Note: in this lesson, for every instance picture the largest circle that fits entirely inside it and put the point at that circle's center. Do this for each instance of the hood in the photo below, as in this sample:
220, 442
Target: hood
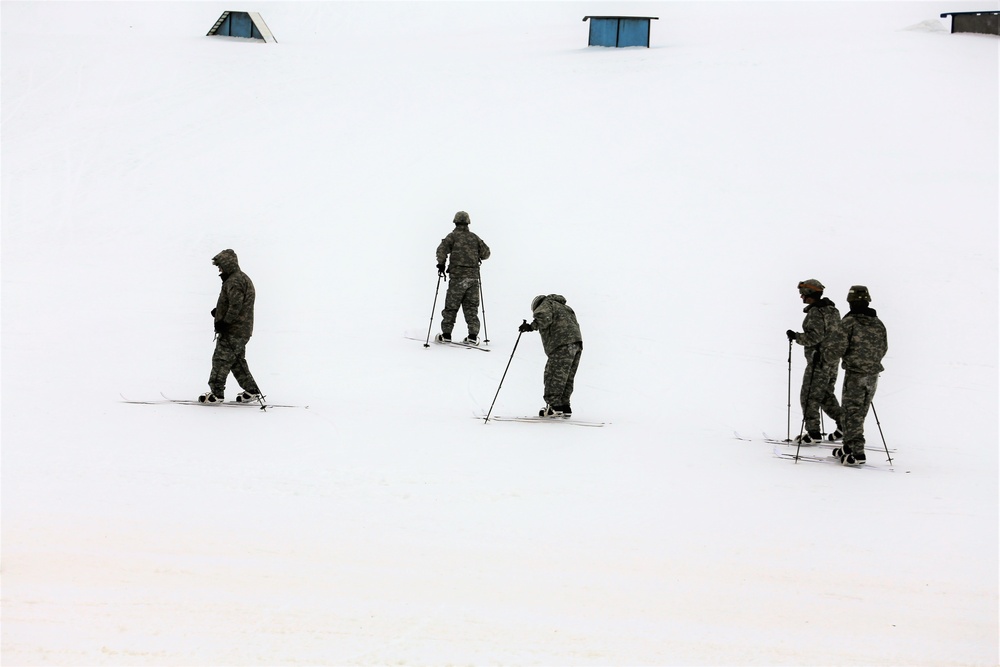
559, 298
227, 261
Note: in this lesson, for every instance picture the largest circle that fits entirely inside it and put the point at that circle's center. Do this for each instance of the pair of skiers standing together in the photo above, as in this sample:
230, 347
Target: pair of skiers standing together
551, 317
858, 342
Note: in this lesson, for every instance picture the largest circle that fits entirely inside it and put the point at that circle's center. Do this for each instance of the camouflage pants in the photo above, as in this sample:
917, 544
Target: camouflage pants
462, 293
859, 390
818, 393
230, 355
560, 372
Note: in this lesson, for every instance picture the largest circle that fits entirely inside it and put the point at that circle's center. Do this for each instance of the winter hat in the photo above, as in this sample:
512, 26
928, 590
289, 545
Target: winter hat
858, 293
810, 287
537, 301
462, 218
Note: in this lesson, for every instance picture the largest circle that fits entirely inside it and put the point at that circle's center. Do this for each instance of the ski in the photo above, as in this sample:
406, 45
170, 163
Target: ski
775, 441
544, 420
451, 343
828, 444
784, 454
230, 404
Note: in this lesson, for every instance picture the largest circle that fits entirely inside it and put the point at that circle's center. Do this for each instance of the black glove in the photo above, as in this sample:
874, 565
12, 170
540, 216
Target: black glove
221, 327
213, 312
440, 268
525, 327
791, 334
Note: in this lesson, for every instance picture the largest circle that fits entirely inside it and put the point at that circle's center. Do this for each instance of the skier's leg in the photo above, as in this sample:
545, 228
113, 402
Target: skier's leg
470, 305
828, 400
577, 350
859, 391
452, 302
557, 371
808, 399
241, 370
222, 362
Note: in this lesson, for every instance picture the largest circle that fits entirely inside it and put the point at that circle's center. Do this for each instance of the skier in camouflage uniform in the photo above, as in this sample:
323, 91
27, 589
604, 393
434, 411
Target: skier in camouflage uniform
862, 341
563, 345
233, 314
819, 328
467, 252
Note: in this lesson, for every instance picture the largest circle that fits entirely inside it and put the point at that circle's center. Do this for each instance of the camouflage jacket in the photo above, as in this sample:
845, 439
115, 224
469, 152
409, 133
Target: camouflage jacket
819, 328
862, 342
236, 299
556, 323
467, 252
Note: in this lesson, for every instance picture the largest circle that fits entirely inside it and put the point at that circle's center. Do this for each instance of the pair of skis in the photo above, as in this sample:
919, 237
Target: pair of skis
451, 343
260, 405
543, 420
525, 418
783, 449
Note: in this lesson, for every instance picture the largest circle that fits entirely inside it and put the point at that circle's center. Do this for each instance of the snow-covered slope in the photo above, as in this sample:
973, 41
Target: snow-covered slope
675, 195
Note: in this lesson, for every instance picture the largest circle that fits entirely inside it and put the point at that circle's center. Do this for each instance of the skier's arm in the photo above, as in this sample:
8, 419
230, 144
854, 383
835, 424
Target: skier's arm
444, 249
813, 332
235, 295
542, 318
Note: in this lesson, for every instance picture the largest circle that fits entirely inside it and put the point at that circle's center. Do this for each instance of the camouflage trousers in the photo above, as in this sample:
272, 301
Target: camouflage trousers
230, 355
462, 293
859, 390
560, 372
818, 393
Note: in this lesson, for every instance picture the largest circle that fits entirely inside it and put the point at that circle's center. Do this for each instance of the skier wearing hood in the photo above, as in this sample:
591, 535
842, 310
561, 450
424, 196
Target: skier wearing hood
563, 345
233, 315
819, 328
467, 251
862, 341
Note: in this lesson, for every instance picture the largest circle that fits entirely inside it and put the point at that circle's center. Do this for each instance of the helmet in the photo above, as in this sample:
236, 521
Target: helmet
537, 301
462, 218
858, 293
810, 287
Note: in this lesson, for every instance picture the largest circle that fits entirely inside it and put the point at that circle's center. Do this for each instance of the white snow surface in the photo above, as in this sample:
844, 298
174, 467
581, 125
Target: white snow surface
675, 195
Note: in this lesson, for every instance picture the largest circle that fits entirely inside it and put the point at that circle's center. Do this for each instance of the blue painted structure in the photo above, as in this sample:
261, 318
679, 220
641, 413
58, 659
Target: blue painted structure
619, 31
242, 24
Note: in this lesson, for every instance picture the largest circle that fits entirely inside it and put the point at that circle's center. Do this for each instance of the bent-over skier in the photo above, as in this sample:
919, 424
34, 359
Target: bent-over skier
563, 344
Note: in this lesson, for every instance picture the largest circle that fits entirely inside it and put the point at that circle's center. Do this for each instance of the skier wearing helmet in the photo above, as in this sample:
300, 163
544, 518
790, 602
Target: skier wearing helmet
862, 342
819, 328
466, 251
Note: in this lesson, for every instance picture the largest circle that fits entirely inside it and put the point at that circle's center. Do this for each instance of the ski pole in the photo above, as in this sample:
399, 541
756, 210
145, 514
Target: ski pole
504, 374
802, 428
427, 343
486, 334
881, 434
788, 425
